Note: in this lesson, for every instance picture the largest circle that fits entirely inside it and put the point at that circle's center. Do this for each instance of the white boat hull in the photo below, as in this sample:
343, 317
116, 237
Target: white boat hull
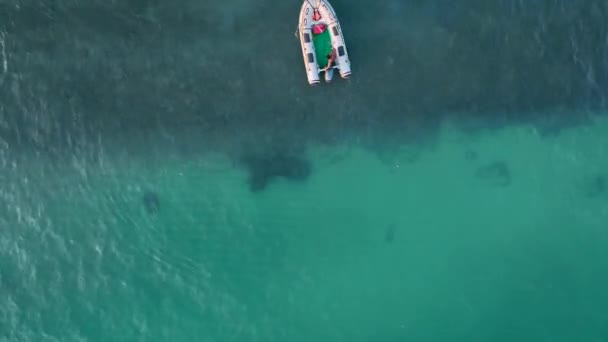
329, 18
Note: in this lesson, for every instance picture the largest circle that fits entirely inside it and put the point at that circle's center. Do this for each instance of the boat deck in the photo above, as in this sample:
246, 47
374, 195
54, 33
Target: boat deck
322, 44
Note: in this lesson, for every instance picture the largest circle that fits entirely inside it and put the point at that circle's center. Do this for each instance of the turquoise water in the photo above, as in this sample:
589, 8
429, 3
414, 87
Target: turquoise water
410, 246
454, 189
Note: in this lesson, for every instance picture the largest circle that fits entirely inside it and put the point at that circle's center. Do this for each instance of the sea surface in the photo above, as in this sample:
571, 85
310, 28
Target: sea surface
167, 173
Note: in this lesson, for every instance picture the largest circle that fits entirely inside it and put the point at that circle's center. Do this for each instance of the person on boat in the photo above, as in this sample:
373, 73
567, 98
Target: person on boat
331, 58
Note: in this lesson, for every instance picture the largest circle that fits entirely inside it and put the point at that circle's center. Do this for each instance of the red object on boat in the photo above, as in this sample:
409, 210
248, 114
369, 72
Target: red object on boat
316, 15
318, 28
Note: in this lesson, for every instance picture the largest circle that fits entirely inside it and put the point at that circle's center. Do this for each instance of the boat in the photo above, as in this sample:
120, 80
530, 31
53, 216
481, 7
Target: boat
322, 40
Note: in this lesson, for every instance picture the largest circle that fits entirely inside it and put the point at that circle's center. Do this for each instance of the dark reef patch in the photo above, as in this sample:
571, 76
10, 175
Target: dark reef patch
496, 174
389, 234
595, 186
470, 155
151, 202
264, 168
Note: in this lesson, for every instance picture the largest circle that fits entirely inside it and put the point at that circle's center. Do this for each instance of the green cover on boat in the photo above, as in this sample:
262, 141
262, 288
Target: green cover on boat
322, 44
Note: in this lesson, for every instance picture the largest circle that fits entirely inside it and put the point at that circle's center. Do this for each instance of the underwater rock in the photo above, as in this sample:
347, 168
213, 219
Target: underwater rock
264, 168
496, 173
470, 155
389, 234
595, 186
151, 202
